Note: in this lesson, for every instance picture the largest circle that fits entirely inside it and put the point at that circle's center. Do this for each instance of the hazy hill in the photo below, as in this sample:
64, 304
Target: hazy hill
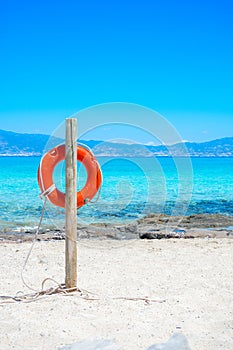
216, 148
12, 143
18, 144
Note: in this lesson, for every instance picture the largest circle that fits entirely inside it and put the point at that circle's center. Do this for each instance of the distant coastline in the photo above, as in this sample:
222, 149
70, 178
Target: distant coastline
120, 156
32, 145
20, 155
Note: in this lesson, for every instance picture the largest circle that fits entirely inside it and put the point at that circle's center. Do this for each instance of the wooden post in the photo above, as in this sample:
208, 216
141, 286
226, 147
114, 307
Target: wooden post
71, 203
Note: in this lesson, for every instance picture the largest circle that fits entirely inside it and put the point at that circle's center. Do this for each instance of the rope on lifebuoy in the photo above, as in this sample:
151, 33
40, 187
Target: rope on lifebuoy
47, 192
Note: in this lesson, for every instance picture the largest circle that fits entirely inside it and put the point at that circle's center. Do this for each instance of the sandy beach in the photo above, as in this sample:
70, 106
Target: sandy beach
190, 282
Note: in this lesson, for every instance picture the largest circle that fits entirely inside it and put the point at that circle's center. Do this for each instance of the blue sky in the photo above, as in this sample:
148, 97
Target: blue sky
58, 57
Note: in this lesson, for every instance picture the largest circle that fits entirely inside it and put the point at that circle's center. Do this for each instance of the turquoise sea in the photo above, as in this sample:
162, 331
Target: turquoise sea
131, 188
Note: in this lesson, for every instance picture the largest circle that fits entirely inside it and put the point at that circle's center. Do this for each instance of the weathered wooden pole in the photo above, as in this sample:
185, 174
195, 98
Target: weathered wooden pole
71, 203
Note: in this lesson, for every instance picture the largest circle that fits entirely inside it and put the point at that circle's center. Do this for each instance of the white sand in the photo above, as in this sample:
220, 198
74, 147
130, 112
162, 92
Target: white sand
194, 277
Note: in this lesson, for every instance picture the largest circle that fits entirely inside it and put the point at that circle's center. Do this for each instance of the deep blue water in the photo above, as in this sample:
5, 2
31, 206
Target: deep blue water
131, 188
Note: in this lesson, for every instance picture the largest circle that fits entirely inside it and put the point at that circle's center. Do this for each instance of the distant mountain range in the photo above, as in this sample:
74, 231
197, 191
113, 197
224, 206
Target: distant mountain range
15, 144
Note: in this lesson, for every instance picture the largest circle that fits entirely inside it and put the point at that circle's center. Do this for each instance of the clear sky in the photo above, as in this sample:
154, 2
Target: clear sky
176, 57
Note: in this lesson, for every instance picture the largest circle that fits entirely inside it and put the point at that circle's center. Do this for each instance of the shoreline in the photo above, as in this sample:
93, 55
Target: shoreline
152, 226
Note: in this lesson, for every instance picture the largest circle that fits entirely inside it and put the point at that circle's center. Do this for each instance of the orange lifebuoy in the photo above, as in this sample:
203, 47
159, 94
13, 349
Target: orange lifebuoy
48, 164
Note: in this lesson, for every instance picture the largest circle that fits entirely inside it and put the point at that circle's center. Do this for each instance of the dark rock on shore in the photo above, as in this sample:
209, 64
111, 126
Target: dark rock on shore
153, 226
191, 221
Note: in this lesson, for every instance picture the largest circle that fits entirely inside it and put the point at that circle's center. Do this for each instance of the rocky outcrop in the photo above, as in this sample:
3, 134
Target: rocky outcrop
153, 226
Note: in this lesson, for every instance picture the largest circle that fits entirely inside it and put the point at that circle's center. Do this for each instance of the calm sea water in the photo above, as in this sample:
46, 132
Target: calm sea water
131, 189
